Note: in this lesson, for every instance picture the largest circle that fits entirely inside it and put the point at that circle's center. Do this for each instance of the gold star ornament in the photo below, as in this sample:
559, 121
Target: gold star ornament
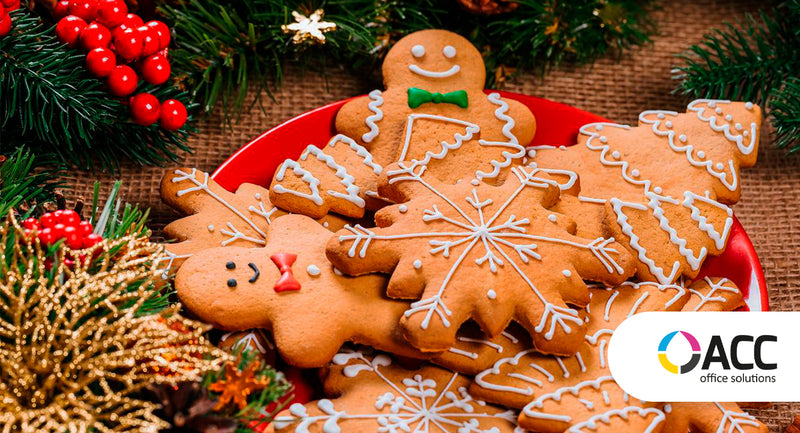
309, 27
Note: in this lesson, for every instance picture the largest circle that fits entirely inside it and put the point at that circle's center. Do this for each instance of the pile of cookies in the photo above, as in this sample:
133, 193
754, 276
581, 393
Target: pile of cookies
451, 279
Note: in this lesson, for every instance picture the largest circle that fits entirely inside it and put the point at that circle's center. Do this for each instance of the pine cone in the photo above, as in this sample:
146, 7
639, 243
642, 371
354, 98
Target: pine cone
188, 408
487, 7
794, 427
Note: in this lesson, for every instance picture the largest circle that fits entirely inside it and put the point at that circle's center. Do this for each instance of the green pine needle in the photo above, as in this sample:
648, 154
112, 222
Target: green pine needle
20, 185
756, 59
51, 104
785, 112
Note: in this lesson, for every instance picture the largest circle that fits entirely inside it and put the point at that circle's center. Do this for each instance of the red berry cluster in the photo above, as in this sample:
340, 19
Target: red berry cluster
6, 6
62, 224
114, 40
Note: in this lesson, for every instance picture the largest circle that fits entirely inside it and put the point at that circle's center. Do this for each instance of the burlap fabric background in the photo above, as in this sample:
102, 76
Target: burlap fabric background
618, 91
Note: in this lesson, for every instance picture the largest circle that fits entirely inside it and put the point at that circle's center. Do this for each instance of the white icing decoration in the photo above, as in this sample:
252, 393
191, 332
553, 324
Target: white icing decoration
345, 179
488, 343
211, 227
258, 196
566, 273
402, 208
449, 51
516, 150
486, 233
710, 296
748, 105
470, 129
730, 118
418, 51
415, 403
377, 115
491, 294
667, 408
233, 233
481, 378
313, 270
552, 218
471, 355
559, 393
719, 238
325, 224
434, 74
734, 421
605, 418
745, 149
510, 337
417, 264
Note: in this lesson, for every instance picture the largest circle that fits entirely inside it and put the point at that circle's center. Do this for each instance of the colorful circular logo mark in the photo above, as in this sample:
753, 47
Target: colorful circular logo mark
669, 366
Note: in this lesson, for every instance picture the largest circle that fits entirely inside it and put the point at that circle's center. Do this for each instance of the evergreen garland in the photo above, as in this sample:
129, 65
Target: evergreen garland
756, 59
52, 105
222, 45
20, 185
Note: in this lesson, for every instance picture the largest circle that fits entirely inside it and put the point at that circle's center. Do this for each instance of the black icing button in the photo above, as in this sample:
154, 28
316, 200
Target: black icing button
230, 265
231, 283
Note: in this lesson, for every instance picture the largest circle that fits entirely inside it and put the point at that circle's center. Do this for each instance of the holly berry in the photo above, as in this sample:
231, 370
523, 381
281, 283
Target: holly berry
91, 240
95, 35
61, 9
156, 69
5, 24
68, 217
145, 109
31, 224
173, 115
46, 236
163, 33
73, 237
111, 13
129, 43
85, 9
58, 230
130, 21
122, 80
69, 29
150, 41
85, 228
100, 62
48, 220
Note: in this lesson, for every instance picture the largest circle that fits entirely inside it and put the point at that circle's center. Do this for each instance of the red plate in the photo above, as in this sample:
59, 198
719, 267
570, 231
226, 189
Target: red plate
257, 161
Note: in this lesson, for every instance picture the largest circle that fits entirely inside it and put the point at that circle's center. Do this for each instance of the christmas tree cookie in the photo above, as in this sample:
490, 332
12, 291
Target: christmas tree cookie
661, 188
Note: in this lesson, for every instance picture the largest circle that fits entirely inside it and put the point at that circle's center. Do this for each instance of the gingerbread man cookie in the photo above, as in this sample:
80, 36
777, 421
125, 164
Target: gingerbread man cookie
288, 287
434, 112
665, 184
473, 250
216, 217
372, 394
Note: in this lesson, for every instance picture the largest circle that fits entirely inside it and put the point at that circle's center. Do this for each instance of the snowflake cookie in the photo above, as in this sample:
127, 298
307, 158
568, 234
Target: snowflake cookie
434, 112
374, 395
287, 286
661, 188
216, 217
578, 393
489, 253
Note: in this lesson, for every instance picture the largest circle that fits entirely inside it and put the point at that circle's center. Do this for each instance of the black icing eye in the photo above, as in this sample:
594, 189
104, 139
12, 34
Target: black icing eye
231, 283
230, 265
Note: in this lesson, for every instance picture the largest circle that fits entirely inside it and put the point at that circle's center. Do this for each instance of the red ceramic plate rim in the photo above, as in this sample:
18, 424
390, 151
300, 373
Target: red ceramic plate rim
558, 123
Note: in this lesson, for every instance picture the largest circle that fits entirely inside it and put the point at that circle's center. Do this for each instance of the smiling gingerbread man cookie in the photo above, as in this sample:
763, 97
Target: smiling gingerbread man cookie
434, 112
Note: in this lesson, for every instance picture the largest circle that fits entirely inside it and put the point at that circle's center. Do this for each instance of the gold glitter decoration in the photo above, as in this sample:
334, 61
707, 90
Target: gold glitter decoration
237, 385
309, 27
73, 349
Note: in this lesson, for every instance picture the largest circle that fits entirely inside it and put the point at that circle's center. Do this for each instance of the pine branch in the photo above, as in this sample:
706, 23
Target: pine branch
756, 60
224, 45
48, 101
746, 60
21, 186
543, 34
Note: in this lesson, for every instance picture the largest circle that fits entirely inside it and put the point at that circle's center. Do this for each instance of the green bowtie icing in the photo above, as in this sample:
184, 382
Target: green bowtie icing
417, 97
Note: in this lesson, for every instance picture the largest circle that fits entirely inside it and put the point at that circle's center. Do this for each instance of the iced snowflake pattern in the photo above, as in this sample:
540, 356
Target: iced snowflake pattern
413, 405
503, 242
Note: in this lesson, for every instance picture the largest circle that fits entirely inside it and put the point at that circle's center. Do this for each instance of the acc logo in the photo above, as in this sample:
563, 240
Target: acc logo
669, 366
